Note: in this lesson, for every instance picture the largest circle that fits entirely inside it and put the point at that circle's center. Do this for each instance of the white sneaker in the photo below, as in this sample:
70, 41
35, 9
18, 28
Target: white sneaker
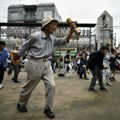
68, 75
1, 86
109, 84
97, 82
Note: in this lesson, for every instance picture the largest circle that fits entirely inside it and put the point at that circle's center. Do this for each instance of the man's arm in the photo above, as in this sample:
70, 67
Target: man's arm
26, 45
6, 53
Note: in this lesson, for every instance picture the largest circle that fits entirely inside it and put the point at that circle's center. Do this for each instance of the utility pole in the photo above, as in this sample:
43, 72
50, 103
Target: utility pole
90, 50
103, 24
115, 39
111, 37
0, 32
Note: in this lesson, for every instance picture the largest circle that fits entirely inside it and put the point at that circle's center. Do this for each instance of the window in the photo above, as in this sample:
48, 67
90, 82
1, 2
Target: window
47, 14
39, 14
30, 14
14, 15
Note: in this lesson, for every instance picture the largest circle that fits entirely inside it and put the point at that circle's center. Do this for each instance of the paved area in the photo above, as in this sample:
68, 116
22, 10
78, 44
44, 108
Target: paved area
72, 100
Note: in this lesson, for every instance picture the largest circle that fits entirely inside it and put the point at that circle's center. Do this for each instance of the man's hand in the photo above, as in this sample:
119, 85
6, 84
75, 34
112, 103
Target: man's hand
72, 26
88, 71
84, 66
70, 32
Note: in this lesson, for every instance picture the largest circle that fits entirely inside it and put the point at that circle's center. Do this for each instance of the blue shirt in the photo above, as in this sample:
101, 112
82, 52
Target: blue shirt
0, 57
3, 57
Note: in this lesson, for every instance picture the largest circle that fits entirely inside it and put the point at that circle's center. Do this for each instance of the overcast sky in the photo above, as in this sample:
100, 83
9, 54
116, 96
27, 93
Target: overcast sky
83, 11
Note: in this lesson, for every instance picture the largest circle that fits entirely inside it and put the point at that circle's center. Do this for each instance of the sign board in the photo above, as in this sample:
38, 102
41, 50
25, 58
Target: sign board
60, 31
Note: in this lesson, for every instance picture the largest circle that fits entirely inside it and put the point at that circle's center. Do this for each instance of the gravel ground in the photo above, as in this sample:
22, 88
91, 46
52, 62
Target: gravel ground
72, 100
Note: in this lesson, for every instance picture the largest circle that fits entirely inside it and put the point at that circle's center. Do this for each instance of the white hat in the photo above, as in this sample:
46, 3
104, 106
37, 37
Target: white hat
47, 20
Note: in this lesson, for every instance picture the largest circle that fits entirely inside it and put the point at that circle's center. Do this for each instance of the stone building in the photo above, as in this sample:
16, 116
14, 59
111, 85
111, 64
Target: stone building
32, 13
29, 14
104, 29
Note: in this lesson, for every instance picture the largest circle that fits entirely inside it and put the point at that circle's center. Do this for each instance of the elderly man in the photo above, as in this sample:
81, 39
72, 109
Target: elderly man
39, 46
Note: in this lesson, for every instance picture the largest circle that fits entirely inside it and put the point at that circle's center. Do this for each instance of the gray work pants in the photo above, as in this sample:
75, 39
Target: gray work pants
38, 69
97, 74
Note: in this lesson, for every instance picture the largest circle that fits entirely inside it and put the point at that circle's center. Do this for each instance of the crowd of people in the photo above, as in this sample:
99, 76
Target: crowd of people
79, 64
102, 64
35, 54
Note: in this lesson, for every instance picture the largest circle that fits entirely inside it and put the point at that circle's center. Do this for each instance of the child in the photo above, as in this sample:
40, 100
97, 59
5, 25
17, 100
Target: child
113, 64
82, 68
106, 72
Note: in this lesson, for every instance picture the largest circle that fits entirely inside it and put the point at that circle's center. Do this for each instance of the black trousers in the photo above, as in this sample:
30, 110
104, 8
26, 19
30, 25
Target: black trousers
97, 74
82, 72
16, 69
2, 69
10, 67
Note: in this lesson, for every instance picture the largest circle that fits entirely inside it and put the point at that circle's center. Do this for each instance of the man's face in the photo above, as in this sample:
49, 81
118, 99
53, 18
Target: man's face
51, 27
1, 47
4, 46
105, 52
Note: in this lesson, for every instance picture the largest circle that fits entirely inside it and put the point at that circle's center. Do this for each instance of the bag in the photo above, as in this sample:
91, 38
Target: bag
61, 75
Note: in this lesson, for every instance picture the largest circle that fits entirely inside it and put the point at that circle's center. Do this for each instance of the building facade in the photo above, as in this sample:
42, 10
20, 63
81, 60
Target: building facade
29, 14
32, 13
35, 14
104, 29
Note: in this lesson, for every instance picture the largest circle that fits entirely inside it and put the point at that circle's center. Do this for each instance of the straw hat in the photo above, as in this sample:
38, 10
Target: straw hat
47, 20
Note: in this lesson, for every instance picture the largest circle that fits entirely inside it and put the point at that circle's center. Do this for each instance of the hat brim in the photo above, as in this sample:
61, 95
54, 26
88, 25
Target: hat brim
49, 22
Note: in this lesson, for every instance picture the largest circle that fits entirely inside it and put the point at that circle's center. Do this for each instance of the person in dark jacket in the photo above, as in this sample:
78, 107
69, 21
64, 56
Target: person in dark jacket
113, 64
82, 67
67, 60
95, 64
